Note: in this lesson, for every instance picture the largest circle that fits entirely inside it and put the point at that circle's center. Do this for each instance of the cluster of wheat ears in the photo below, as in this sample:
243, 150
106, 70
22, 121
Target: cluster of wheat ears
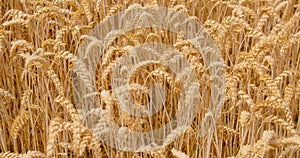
259, 41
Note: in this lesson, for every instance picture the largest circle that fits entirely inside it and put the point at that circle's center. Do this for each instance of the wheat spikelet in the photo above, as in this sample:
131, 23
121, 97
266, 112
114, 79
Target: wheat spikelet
283, 75
276, 104
148, 148
87, 10
289, 149
257, 32
294, 140
102, 126
294, 39
180, 44
72, 3
1, 12
66, 103
288, 94
138, 87
263, 145
177, 2
105, 80
80, 69
34, 60
269, 60
298, 88
280, 104
106, 97
237, 22
228, 129
216, 30
2, 39
16, 22
92, 45
15, 14
244, 118
142, 66
231, 84
9, 154
153, 37
82, 138
60, 34
111, 55
158, 152
192, 55
175, 134
77, 144
55, 128
244, 151
53, 11
247, 98
95, 145
288, 10
271, 85
50, 42
286, 29
181, 8
76, 125
31, 61
56, 9
36, 107
122, 136
280, 6
174, 83
114, 9
25, 99
64, 145
21, 45
19, 123
29, 154
178, 154
32, 154
5, 93
58, 85
285, 125
40, 3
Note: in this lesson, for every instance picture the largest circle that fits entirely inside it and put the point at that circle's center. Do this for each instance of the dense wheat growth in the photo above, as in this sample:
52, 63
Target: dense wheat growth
50, 73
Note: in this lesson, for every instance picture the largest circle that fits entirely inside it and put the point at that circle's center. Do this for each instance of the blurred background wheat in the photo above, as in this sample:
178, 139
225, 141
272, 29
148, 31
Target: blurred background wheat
259, 41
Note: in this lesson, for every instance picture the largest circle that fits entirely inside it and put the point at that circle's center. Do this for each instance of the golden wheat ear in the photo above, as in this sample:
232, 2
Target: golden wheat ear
42, 114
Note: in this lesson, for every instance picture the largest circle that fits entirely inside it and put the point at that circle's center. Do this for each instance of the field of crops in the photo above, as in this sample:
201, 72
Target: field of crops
150, 78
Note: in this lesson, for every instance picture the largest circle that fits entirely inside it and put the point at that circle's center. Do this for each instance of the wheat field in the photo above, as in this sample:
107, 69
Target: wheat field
257, 114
